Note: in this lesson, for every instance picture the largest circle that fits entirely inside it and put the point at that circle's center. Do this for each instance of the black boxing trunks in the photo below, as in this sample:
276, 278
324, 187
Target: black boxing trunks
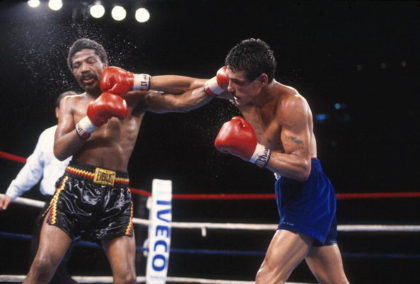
92, 203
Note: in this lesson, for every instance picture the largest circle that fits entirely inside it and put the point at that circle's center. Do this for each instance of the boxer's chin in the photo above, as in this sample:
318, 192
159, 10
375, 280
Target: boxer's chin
91, 86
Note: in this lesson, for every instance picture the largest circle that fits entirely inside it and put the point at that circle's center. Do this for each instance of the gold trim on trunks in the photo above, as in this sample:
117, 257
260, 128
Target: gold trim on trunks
105, 177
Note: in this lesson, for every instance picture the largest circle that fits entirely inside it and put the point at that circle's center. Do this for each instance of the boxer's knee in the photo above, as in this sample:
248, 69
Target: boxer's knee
129, 278
270, 275
41, 271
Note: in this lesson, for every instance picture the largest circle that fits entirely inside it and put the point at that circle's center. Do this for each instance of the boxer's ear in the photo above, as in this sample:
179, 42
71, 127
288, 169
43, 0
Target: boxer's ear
263, 78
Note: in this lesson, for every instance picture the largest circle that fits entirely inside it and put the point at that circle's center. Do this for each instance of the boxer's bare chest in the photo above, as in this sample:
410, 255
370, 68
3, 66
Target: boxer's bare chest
115, 131
266, 126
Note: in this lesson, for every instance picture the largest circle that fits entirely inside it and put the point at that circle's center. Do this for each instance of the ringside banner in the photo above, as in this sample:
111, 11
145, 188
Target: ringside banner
159, 232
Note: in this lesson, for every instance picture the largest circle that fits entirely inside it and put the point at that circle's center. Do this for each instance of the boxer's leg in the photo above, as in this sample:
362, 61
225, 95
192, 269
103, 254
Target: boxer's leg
286, 250
121, 253
53, 245
326, 264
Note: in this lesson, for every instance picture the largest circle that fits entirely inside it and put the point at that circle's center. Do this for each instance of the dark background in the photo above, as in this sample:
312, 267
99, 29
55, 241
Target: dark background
361, 55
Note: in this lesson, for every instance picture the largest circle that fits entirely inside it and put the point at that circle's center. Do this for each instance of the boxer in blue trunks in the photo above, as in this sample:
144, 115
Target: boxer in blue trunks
275, 132
308, 208
99, 128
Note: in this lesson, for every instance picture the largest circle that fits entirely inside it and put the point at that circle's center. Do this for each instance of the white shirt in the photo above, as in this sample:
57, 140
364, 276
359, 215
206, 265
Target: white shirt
41, 163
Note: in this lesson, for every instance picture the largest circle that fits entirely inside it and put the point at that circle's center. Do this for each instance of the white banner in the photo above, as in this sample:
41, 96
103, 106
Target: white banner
159, 232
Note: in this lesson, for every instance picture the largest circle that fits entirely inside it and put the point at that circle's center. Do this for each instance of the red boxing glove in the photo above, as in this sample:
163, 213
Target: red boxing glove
119, 81
218, 84
237, 137
99, 111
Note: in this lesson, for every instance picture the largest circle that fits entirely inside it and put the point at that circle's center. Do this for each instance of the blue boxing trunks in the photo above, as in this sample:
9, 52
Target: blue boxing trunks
92, 203
308, 207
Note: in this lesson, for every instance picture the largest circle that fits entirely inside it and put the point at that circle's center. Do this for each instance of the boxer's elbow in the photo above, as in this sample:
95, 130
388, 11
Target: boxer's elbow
301, 177
60, 154
291, 166
303, 171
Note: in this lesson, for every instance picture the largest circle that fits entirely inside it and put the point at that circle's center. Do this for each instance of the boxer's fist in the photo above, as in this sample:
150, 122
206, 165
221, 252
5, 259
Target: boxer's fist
119, 81
107, 105
218, 84
99, 111
237, 137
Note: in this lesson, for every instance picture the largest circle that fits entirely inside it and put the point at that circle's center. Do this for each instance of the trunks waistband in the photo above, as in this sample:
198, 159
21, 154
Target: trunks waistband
97, 175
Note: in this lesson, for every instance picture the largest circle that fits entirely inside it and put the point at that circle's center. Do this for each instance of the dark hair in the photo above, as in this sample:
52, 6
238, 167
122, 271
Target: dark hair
85, 43
62, 95
253, 56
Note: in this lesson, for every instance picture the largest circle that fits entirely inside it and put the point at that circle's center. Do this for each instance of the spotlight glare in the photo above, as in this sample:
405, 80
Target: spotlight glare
142, 15
321, 117
55, 5
118, 13
97, 11
33, 3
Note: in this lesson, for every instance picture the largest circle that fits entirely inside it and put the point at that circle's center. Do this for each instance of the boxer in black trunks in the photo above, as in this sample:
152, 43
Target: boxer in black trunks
92, 209
99, 128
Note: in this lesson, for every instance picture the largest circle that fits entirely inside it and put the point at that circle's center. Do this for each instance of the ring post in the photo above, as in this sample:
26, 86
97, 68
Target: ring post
159, 232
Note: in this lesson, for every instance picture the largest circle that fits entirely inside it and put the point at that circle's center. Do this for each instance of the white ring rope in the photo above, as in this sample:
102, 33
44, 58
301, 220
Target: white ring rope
140, 279
272, 227
203, 227
247, 226
27, 201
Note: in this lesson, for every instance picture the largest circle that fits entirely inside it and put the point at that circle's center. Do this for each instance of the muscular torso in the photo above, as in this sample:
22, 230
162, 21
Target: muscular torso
111, 145
268, 121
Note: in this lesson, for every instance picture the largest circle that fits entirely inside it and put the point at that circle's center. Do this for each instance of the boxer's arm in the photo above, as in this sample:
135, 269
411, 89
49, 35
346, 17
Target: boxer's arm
187, 101
176, 94
174, 84
295, 117
67, 141
172, 93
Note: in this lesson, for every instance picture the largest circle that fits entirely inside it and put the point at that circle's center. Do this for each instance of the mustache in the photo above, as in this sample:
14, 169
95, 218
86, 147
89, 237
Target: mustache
88, 75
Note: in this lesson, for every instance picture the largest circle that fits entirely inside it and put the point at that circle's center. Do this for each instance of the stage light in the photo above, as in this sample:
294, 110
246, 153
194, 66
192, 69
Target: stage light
55, 5
118, 13
97, 10
33, 3
321, 117
142, 15
339, 106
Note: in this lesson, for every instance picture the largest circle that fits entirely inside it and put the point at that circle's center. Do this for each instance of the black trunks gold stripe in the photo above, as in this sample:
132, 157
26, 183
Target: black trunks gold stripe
54, 200
129, 229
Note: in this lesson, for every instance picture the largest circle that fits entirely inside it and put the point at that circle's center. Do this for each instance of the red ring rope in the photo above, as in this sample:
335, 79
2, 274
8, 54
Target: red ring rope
12, 157
244, 196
